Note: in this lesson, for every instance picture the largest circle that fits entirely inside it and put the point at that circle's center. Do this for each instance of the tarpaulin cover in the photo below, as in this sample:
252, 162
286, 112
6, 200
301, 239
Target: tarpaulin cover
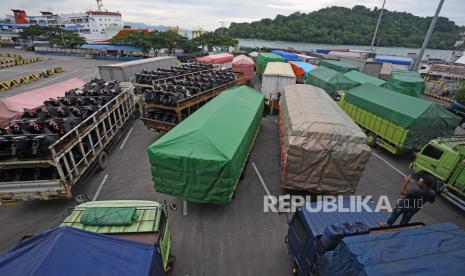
362, 78
322, 149
286, 55
243, 64
437, 249
113, 216
339, 66
201, 159
394, 60
71, 251
12, 107
301, 69
424, 119
216, 58
406, 82
264, 58
330, 80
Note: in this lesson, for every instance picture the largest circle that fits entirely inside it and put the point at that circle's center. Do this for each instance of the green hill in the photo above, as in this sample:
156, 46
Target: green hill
338, 25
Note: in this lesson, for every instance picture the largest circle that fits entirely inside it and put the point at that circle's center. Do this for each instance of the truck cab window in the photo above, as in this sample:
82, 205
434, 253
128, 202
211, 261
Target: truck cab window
299, 228
432, 152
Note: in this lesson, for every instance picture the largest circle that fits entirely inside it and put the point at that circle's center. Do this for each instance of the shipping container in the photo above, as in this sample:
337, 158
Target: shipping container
322, 149
124, 71
394, 121
277, 75
202, 158
263, 59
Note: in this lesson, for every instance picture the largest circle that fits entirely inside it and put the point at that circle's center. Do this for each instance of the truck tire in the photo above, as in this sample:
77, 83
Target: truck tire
102, 160
371, 139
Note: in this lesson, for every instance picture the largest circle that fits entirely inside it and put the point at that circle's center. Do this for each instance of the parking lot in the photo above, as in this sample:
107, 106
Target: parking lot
234, 239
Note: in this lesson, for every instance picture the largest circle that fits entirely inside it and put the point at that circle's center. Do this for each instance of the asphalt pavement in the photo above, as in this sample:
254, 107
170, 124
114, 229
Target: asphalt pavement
234, 239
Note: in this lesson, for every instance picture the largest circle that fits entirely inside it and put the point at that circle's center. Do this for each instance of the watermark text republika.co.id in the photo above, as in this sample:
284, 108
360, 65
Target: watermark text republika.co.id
330, 203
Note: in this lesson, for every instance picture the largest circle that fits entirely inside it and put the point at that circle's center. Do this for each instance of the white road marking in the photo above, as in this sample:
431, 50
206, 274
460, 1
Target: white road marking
126, 139
261, 180
52, 79
184, 208
389, 164
100, 187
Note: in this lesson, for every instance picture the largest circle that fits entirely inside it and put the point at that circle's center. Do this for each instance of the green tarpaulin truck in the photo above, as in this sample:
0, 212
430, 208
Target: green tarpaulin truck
444, 159
394, 121
202, 158
263, 59
136, 220
406, 82
330, 80
339, 66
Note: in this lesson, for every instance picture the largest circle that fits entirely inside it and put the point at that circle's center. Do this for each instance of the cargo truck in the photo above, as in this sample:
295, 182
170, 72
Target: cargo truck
202, 158
399, 123
75, 154
322, 149
444, 159
135, 220
352, 243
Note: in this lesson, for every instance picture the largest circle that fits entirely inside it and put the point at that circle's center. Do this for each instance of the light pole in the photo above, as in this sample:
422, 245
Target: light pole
222, 27
416, 65
377, 26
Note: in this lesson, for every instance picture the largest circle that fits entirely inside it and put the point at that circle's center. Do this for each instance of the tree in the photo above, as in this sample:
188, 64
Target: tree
54, 35
460, 94
214, 40
171, 40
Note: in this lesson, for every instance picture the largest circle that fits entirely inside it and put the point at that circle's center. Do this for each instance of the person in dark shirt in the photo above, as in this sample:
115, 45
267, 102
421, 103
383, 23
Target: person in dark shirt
413, 200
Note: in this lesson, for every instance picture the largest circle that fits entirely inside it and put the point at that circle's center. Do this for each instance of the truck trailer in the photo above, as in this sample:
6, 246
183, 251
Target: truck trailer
397, 122
352, 243
53, 173
322, 149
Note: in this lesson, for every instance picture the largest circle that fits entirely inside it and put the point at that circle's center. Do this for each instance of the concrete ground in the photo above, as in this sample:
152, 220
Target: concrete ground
234, 239
75, 67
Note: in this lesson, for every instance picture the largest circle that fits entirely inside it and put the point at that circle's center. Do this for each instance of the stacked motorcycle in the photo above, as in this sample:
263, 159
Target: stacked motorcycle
188, 57
146, 77
31, 135
179, 89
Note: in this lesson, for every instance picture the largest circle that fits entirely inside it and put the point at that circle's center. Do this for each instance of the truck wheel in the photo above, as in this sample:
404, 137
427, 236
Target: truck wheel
371, 139
171, 262
462, 125
102, 160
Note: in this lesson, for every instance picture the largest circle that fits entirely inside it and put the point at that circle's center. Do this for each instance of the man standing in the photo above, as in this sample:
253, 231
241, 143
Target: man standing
413, 200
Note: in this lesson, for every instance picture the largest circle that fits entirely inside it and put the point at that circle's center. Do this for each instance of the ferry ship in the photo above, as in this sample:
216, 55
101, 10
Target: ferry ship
96, 26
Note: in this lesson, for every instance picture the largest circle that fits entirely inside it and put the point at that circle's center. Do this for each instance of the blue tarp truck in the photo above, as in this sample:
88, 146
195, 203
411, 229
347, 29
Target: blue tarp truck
352, 243
71, 251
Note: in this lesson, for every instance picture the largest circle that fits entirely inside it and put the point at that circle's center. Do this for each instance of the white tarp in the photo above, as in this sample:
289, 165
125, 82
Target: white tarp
322, 149
277, 75
461, 60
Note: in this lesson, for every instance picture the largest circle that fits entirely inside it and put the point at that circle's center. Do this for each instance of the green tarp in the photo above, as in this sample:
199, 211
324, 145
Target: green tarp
339, 66
201, 159
362, 78
424, 119
406, 82
329, 80
109, 216
264, 58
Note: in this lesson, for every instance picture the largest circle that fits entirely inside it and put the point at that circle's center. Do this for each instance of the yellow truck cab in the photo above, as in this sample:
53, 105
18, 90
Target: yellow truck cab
443, 158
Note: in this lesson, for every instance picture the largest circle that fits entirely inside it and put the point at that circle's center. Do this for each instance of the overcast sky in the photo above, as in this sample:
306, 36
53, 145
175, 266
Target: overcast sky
207, 14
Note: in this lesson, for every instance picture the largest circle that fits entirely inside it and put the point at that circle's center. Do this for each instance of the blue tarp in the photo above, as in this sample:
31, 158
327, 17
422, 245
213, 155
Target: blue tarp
72, 27
318, 221
286, 55
71, 251
432, 250
111, 47
394, 60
